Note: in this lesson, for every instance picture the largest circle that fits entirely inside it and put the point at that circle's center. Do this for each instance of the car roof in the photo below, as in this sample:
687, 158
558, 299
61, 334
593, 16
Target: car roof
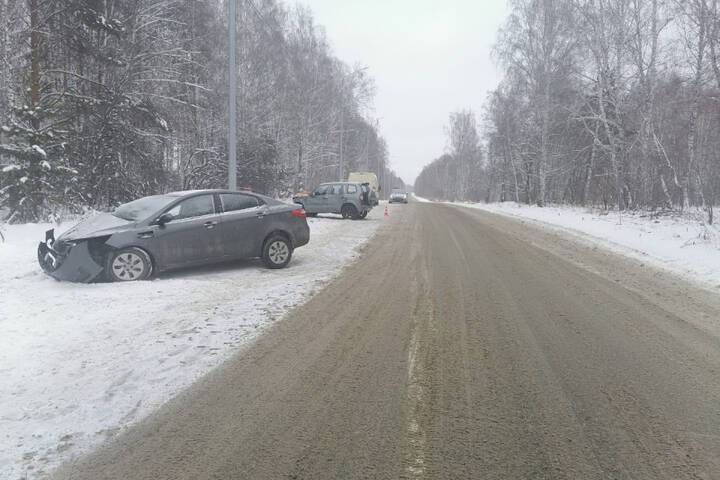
342, 183
190, 193
184, 193
187, 193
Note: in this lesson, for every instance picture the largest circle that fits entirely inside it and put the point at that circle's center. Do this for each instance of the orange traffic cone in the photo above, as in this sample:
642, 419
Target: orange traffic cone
386, 211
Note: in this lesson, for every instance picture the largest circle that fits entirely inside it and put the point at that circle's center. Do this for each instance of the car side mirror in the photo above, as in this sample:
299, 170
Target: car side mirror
165, 218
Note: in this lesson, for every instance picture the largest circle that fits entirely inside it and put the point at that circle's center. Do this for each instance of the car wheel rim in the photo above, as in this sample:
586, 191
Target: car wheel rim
278, 252
128, 266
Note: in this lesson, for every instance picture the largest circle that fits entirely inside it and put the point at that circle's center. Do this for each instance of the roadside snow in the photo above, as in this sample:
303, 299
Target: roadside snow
78, 363
684, 244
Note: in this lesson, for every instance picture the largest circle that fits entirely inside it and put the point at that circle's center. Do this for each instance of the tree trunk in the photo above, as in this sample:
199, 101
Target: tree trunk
35, 45
590, 166
699, 66
544, 145
528, 182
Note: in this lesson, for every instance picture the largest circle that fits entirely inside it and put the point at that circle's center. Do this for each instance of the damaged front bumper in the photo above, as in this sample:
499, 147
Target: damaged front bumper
69, 261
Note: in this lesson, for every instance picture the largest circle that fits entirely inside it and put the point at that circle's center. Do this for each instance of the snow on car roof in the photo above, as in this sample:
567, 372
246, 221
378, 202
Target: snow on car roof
182, 193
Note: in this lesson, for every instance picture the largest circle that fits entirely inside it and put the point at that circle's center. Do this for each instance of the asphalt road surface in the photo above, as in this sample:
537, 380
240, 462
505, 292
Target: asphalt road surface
462, 345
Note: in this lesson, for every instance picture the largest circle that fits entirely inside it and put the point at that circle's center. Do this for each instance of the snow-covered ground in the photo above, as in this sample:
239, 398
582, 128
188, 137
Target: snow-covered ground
78, 363
685, 244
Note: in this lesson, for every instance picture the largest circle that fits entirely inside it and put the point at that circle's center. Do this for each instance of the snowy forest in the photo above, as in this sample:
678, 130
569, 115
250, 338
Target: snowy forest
104, 101
611, 103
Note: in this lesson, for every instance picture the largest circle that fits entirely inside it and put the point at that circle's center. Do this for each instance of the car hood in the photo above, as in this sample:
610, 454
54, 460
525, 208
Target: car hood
97, 226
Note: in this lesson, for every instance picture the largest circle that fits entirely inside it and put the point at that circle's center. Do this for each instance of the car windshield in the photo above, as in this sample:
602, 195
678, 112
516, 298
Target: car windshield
143, 207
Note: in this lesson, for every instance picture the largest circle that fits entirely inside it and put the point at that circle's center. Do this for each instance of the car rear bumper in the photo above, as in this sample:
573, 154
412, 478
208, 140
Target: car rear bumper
301, 236
68, 262
308, 208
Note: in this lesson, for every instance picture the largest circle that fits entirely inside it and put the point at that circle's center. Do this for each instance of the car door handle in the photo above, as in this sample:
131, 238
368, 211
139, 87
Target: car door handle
150, 234
210, 225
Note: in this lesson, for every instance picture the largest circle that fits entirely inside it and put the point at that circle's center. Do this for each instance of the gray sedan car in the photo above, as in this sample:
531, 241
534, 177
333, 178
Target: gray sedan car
176, 230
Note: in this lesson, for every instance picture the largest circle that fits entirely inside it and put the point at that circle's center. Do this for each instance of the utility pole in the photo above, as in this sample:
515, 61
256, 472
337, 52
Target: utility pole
232, 95
342, 131
367, 146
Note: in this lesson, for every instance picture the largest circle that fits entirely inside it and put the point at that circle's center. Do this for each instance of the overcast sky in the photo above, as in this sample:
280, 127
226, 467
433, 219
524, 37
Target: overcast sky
428, 57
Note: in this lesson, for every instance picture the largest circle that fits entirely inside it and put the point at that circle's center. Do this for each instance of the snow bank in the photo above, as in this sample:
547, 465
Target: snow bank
685, 245
78, 363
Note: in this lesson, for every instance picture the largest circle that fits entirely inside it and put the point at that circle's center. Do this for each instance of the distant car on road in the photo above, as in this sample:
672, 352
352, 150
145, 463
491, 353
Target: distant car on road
349, 199
398, 197
181, 229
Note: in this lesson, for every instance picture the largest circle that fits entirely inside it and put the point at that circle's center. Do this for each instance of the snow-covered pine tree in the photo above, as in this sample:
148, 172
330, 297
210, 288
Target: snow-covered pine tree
34, 176
118, 132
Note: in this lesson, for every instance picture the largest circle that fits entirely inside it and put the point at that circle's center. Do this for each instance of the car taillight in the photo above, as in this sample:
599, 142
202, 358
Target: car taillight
299, 213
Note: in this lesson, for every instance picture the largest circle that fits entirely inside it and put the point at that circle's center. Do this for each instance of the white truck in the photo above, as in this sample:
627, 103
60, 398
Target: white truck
372, 180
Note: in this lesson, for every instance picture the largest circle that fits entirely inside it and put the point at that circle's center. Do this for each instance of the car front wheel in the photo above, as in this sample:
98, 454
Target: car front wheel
349, 211
277, 252
128, 265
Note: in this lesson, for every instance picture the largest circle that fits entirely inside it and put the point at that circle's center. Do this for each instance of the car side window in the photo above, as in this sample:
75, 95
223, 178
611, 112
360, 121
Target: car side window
321, 190
351, 188
336, 190
193, 207
233, 202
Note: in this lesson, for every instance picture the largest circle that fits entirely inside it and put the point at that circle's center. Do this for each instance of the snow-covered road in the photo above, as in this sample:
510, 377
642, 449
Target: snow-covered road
80, 362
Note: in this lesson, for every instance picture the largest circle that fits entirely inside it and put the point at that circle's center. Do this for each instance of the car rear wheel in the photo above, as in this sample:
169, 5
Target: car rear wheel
129, 265
349, 211
277, 252
364, 214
